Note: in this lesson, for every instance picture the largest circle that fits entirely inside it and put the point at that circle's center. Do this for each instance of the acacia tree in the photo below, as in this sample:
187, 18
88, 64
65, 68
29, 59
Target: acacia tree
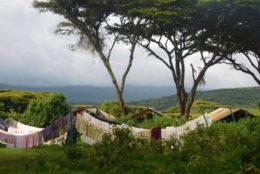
90, 20
172, 31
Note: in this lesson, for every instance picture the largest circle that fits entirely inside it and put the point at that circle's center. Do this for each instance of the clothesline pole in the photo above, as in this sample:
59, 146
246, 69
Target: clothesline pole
202, 110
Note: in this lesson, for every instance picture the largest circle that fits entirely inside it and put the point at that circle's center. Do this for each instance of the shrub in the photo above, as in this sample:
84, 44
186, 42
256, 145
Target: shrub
223, 148
3, 115
44, 111
111, 107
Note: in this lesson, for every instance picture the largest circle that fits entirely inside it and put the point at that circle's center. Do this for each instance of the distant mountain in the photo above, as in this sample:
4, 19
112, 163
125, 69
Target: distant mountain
87, 94
241, 97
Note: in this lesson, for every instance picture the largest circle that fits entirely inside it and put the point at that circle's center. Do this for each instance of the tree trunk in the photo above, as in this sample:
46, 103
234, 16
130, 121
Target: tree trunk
114, 81
181, 104
121, 104
193, 91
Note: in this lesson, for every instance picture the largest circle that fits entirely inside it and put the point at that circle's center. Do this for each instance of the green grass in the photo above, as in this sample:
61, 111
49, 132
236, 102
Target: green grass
255, 112
13, 160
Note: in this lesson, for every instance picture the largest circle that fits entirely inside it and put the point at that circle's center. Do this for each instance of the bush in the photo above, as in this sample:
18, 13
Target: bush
3, 115
44, 111
111, 107
223, 148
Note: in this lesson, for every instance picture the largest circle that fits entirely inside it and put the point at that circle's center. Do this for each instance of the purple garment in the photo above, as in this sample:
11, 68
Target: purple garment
65, 120
10, 140
47, 133
156, 133
2, 137
3, 127
20, 141
59, 123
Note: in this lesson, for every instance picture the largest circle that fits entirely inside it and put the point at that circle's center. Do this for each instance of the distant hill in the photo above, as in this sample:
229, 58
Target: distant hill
241, 97
94, 94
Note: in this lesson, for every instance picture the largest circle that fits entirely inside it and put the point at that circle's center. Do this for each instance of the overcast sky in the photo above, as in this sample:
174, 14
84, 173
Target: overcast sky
31, 54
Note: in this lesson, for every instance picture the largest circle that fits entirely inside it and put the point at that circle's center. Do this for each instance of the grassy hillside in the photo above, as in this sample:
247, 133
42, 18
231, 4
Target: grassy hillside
19, 96
16, 100
239, 97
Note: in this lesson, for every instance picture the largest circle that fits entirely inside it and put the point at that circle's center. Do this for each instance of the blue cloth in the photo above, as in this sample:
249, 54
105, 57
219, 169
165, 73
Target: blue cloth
3, 126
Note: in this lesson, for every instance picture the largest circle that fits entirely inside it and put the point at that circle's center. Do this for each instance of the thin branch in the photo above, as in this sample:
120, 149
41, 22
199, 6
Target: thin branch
131, 58
203, 58
155, 55
112, 47
193, 72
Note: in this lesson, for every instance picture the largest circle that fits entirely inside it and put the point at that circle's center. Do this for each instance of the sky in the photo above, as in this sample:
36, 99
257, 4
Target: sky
32, 54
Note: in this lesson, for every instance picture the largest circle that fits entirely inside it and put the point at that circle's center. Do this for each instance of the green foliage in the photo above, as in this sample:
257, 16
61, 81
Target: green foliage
44, 111
162, 122
112, 107
74, 152
3, 115
85, 106
235, 150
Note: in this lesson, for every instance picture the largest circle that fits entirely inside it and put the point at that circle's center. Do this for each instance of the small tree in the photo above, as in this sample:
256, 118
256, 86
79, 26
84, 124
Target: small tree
90, 20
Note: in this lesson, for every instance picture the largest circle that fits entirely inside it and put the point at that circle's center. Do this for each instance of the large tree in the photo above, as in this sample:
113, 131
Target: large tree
245, 15
172, 32
90, 20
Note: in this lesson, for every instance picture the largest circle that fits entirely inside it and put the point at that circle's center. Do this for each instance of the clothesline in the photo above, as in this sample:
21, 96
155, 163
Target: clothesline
92, 129
22, 136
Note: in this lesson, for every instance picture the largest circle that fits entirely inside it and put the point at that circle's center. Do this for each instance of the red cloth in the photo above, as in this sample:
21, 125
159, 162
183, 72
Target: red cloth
79, 110
156, 133
29, 141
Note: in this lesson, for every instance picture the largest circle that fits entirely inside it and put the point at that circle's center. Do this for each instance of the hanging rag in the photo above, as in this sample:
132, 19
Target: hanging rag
20, 141
156, 133
29, 141
3, 126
